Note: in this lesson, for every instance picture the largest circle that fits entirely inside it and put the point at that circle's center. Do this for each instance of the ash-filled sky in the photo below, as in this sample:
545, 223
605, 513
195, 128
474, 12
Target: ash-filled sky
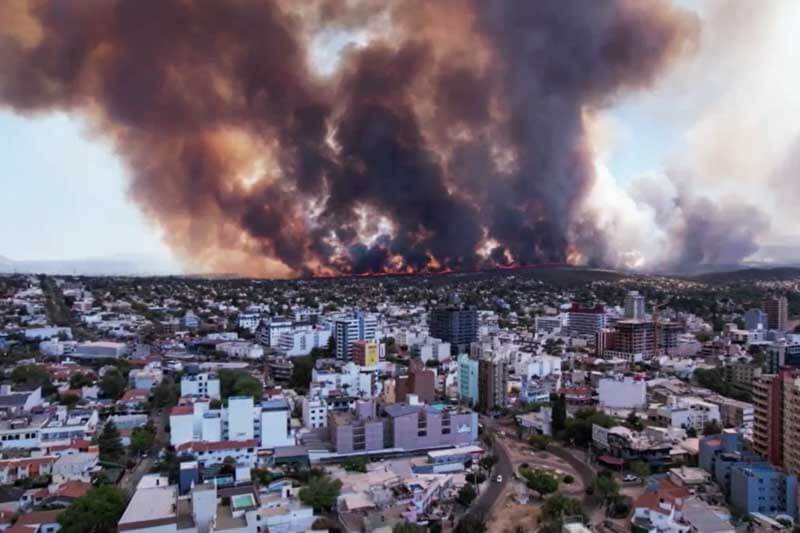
272, 139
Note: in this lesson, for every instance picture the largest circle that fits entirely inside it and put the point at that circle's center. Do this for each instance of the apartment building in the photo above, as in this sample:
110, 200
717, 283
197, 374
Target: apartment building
242, 420
206, 385
355, 327
791, 422
405, 426
768, 417
688, 413
492, 383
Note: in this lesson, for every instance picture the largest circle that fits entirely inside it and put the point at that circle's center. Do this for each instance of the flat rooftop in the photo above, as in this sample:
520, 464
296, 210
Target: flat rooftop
149, 507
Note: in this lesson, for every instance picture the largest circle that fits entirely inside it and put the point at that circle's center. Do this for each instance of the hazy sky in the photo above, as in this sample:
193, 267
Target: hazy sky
65, 194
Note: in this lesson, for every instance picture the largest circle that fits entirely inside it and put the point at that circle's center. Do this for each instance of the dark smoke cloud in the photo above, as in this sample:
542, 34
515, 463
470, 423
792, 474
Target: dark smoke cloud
454, 139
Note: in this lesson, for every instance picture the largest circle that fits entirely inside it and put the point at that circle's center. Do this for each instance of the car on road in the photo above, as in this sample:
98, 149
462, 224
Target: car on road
499, 478
628, 478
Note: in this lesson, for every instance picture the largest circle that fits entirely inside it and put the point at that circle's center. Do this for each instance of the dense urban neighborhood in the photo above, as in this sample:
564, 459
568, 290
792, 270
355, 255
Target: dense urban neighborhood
543, 399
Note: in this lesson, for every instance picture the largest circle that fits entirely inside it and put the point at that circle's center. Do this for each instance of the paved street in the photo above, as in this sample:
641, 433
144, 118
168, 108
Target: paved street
131, 478
486, 500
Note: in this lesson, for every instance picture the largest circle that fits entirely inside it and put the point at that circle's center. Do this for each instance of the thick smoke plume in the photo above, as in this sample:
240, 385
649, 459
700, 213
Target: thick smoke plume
453, 136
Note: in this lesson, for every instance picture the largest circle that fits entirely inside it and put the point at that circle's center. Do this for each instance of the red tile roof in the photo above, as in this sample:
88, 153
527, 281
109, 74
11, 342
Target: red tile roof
6, 517
133, 395
39, 517
667, 493
204, 446
179, 410
73, 489
27, 462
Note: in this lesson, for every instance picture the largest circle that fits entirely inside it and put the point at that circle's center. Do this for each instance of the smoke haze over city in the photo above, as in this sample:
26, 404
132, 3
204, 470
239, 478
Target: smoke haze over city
278, 139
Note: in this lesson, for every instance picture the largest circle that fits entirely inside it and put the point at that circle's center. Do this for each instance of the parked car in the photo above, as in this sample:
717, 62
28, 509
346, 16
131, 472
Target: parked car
629, 478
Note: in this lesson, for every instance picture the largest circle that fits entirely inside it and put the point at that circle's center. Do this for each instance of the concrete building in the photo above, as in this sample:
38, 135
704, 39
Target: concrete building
467, 379
249, 321
358, 326
455, 325
782, 354
539, 366
688, 413
205, 384
241, 349
100, 350
622, 392
767, 417
431, 349
214, 453
492, 383
268, 332
586, 320
146, 378
365, 353
762, 488
268, 423
414, 426
549, 324
634, 306
354, 432
733, 413
791, 422
420, 381
619, 446
298, 342
315, 413
740, 376
755, 319
777, 310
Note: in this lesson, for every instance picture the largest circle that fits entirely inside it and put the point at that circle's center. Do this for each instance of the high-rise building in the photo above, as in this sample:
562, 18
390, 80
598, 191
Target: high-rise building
355, 327
586, 320
365, 353
634, 306
777, 309
768, 417
467, 379
782, 355
456, 325
791, 422
755, 319
492, 382
420, 381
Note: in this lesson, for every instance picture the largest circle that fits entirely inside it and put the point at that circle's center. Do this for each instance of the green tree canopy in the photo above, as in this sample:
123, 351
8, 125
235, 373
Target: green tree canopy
80, 380
112, 384
355, 464
110, 443
321, 493
98, 510
541, 481
641, 469
606, 488
559, 412
559, 505
301, 372
471, 523
31, 377
142, 439
240, 383
165, 394
466, 495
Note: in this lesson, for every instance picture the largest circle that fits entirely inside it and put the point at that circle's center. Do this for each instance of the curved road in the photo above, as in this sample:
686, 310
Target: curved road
486, 500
